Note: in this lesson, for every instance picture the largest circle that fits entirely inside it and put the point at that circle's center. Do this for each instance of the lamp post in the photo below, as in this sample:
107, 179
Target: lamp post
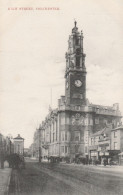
39, 134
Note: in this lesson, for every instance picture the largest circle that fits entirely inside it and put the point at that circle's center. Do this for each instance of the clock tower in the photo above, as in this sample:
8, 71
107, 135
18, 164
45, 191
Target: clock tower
75, 74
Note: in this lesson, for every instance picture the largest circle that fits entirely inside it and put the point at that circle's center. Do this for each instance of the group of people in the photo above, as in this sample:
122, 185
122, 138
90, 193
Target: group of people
77, 160
15, 161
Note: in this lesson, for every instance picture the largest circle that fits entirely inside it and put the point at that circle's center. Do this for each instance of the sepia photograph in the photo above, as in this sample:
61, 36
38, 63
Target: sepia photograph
61, 97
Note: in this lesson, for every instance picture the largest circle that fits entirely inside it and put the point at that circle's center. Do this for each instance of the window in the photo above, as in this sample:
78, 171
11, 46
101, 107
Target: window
66, 149
62, 136
96, 120
62, 120
115, 145
67, 120
86, 149
96, 140
77, 136
76, 148
77, 107
115, 134
53, 136
47, 138
86, 121
90, 121
77, 42
65, 136
62, 149
91, 141
77, 61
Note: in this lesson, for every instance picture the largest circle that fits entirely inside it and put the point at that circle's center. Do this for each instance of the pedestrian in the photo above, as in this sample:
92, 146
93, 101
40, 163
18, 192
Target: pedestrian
109, 161
104, 162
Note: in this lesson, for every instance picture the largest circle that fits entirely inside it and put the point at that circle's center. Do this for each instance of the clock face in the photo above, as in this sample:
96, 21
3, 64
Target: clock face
67, 85
78, 83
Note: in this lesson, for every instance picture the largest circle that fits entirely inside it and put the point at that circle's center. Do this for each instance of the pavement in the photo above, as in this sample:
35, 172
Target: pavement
5, 175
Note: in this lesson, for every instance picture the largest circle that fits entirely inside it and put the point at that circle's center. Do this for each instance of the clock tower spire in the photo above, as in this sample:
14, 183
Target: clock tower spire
75, 74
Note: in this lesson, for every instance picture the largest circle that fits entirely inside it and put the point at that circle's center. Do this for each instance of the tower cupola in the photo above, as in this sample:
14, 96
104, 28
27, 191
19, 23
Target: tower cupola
75, 74
75, 57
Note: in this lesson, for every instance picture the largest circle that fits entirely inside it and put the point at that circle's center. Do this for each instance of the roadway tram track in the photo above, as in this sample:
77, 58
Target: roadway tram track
103, 183
62, 178
31, 181
14, 183
84, 187
36, 178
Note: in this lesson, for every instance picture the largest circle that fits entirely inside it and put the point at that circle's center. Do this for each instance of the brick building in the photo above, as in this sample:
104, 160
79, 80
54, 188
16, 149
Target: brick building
67, 129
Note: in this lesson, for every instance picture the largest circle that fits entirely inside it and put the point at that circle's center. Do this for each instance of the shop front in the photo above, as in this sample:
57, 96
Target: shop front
93, 153
103, 149
120, 158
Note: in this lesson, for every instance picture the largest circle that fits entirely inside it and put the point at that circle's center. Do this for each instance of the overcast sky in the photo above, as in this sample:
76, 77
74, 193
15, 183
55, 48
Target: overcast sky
32, 58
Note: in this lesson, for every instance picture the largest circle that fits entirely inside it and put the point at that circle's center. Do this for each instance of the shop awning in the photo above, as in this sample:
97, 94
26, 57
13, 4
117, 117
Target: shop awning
114, 152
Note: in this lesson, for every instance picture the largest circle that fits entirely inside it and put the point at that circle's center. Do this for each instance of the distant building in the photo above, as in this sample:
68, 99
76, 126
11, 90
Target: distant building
66, 130
6, 148
117, 138
26, 152
19, 145
107, 143
31, 151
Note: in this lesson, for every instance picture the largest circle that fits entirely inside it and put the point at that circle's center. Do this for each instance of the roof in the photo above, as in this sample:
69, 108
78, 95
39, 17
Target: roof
106, 130
121, 127
120, 154
18, 137
98, 132
118, 128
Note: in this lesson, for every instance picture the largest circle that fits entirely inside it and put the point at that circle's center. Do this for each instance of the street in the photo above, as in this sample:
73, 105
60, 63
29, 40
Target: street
65, 179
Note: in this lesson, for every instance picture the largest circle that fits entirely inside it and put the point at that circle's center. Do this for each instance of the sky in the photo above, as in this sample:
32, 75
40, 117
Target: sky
32, 58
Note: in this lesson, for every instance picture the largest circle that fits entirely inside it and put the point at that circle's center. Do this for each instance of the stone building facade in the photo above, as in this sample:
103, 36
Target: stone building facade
106, 143
19, 145
67, 129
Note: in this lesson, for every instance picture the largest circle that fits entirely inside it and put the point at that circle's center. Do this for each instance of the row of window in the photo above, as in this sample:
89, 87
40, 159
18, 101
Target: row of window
95, 142
83, 121
66, 137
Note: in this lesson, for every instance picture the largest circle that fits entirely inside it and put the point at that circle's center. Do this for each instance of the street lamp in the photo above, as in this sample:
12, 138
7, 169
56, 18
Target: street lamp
39, 133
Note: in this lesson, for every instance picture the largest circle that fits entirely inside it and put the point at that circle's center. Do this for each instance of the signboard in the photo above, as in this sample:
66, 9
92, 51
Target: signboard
106, 153
93, 153
101, 153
